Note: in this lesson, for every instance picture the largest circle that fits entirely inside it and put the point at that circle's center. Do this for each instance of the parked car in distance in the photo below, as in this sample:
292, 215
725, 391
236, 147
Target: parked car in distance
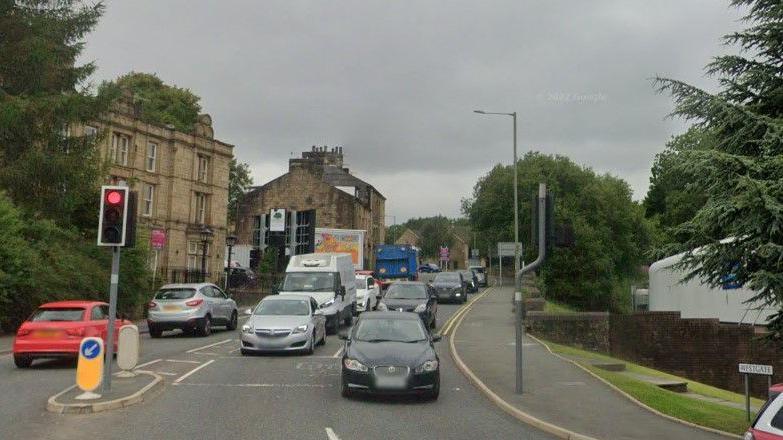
411, 296
429, 268
242, 277
768, 424
450, 286
367, 293
481, 275
56, 329
390, 353
284, 323
471, 280
190, 307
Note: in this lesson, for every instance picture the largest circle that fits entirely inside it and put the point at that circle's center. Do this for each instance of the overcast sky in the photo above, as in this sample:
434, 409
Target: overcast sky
395, 82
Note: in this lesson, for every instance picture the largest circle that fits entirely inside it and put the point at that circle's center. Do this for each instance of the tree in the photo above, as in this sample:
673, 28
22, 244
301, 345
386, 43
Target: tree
42, 168
610, 229
739, 229
239, 180
162, 104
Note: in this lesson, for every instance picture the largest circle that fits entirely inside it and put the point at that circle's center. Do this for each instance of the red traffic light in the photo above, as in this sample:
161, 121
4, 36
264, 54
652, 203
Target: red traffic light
114, 197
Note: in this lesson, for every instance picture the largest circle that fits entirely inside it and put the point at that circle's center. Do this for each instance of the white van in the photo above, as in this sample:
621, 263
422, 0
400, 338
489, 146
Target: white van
329, 278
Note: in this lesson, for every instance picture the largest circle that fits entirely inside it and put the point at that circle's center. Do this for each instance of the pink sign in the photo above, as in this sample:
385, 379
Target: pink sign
444, 253
158, 238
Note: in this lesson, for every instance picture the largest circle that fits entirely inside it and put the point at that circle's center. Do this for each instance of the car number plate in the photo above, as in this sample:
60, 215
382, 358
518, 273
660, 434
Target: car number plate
46, 334
171, 308
390, 383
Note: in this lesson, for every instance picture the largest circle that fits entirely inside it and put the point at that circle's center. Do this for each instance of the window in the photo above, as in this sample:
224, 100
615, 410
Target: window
203, 168
193, 263
201, 208
118, 150
99, 313
194, 255
149, 200
152, 156
90, 131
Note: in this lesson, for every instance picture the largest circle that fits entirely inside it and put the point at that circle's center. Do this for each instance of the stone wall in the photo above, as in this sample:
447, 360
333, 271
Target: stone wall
703, 350
589, 331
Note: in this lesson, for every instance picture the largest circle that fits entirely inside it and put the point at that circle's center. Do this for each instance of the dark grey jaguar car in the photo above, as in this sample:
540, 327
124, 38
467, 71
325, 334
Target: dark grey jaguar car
390, 353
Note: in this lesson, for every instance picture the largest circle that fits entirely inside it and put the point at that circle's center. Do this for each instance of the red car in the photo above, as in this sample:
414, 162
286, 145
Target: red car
769, 422
56, 329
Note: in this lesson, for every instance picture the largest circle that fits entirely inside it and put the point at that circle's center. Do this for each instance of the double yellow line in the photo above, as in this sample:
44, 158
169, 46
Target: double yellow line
449, 325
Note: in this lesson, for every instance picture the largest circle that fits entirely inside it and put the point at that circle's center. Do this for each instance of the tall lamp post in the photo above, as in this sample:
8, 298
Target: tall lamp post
516, 203
231, 240
206, 236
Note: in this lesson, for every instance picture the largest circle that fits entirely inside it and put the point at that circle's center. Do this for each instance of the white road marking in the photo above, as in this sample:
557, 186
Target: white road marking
149, 363
192, 350
330, 433
181, 378
255, 385
166, 373
339, 352
235, 350
182, 361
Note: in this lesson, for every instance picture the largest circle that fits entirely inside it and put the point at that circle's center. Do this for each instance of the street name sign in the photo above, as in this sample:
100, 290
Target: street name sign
158, 239
765, 370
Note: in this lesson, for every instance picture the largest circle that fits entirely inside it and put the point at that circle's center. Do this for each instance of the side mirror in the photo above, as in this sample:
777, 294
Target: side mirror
436, 338
247, 312
318, 312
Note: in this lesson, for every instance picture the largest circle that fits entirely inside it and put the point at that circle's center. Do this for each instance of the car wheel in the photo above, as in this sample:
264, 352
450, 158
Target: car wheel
155, 332
244, 352
311, 347
206, 326
323, 338
232, 324
349, 316
22, 361
344, 390
434, 323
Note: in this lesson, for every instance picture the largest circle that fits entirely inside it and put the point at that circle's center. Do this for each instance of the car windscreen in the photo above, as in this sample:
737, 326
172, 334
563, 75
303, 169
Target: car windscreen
175, 294
283, 307
361, 283
406, 291
449, 277
477, 269
389, 329
59, 314
308, 282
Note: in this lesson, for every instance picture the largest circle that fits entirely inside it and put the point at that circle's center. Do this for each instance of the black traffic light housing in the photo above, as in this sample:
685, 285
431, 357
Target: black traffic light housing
117, 217
557, 235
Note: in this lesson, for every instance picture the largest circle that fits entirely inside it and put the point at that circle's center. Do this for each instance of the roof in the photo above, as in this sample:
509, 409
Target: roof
71, 303
185, 285
386, 315
286, 296
339, 177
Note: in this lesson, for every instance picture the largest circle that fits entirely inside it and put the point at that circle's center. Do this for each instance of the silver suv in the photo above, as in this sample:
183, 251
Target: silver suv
193, 307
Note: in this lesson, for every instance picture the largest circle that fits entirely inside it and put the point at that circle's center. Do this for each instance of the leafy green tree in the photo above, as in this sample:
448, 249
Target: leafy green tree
672, 199
610, 229
42, 94
739, 229
394, 232
161, 103
239, 180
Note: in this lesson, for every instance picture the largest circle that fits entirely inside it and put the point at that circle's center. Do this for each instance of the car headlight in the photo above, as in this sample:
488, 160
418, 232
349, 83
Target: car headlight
427, 367
247, 329
382, 307
420, 308
300, 329
327, 303
354, 365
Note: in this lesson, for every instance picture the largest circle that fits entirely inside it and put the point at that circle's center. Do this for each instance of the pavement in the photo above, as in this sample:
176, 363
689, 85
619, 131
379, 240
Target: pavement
6, 342
555, 390
211, 391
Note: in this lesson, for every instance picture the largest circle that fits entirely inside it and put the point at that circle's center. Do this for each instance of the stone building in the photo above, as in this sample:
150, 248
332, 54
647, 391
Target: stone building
181, 180
459, 247
318, 181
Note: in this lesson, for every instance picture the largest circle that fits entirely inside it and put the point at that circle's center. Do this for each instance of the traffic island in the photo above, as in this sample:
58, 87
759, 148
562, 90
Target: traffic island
125, 391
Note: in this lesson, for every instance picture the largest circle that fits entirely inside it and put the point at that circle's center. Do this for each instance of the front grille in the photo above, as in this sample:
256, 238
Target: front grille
391, 371
273, 332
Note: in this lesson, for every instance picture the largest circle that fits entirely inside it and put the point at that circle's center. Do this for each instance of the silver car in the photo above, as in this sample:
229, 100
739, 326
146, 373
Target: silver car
193, 307
284, 323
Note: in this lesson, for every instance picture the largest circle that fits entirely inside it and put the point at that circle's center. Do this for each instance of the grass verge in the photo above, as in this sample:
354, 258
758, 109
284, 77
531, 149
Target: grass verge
562, 309
700, 412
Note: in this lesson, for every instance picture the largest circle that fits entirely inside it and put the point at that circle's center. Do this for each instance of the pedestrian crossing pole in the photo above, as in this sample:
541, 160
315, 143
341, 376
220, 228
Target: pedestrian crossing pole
518, 303
115, 277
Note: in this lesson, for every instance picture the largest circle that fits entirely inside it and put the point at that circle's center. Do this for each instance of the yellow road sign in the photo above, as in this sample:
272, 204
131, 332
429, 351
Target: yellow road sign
89, 370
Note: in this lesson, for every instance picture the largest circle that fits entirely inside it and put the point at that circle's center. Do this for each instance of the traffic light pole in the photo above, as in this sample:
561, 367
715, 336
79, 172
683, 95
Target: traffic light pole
115, 277
518, 305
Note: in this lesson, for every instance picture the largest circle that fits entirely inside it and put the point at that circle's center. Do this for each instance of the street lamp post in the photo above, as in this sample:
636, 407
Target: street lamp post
516, 202
231, 240
206, 235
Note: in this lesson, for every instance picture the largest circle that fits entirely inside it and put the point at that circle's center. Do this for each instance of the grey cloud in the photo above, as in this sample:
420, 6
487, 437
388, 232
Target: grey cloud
395, 83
